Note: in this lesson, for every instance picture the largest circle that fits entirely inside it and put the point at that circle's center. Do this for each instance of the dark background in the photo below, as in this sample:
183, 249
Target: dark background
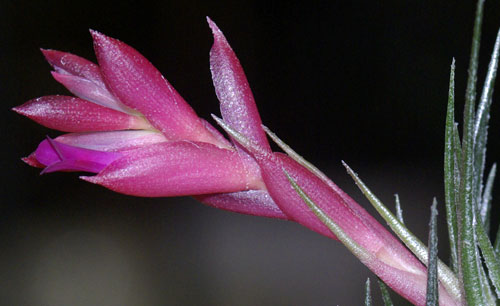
365, 82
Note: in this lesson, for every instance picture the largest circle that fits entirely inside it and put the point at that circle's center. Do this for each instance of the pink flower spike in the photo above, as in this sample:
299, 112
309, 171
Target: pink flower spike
140, 86
177, 169
70, 114
251, 202
237, 104
61, 157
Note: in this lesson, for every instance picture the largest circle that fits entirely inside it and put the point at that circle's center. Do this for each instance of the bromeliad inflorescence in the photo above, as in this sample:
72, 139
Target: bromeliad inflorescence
131, 128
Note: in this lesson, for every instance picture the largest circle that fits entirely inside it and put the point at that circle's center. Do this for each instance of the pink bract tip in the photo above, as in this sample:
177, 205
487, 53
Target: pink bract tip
237, 103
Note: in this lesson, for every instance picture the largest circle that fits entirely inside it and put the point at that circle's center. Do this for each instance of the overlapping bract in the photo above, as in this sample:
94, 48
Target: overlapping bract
131, 128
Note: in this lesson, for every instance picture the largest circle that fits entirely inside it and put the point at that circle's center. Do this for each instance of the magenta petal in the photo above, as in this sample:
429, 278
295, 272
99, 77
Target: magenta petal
112, 141
236, 99
57, 156
176, 169
140, 86
70, 114
251, 202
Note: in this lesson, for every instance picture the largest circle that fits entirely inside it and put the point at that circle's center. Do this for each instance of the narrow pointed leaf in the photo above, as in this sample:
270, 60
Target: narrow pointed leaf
449, 172
457, 178
446, 276
489, 255
356, 249
457, 147
432, 296
470, 94
485, 207
386, 297
368, 294
497, 242
469, 257
489, 296
482, 119
298, 158
399, 210
240, 138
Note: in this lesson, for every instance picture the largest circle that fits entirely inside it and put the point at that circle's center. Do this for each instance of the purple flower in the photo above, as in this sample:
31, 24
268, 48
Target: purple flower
131, 128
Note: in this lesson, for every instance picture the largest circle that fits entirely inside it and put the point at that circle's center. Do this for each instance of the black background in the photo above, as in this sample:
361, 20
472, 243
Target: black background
361, 81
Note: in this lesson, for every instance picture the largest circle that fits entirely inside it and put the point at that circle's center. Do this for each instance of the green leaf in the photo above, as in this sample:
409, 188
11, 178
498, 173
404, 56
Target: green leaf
457, 147
450, 152
446, 276
469, 257
489, 255
470, 93
485, 208
482, 119
497, 242
481, 126
432, 295
368, 294
399, 211
486, 287
386, 297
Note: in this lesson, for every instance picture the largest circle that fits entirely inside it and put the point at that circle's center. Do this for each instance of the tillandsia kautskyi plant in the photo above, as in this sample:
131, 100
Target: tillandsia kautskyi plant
132, 130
